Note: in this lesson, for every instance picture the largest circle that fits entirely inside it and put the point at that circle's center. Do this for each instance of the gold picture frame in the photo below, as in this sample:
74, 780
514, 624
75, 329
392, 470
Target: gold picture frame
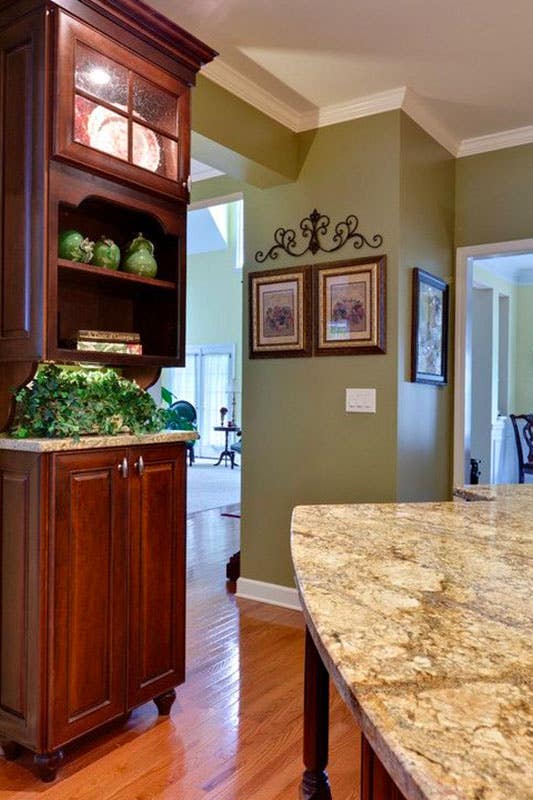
280, 313
350, 307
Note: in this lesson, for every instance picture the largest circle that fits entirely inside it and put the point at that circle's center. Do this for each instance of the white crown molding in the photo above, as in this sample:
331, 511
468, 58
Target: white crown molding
496, 141
402, 97
249, 91
353, 109
415, 107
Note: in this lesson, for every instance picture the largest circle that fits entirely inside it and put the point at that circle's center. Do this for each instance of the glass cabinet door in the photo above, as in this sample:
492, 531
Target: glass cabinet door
118, 110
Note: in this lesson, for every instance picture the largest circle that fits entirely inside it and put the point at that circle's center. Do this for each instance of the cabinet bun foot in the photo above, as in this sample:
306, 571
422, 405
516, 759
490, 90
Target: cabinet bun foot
47, 765
164, 702
12, 750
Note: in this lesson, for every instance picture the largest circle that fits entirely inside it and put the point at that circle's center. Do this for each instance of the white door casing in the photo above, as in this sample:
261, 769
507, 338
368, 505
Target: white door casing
463, 345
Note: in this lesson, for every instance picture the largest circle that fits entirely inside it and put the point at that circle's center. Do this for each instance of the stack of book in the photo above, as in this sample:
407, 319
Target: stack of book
109, 342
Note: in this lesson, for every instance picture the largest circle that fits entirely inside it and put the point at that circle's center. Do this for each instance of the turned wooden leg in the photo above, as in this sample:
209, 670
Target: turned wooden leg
12, 750
47, 764
164, 702
315, 781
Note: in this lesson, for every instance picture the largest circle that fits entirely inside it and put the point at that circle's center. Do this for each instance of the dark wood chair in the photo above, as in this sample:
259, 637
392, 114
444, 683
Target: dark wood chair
523, 433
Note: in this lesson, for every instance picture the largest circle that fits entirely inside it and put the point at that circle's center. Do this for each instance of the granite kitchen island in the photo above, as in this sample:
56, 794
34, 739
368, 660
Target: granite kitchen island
422, 616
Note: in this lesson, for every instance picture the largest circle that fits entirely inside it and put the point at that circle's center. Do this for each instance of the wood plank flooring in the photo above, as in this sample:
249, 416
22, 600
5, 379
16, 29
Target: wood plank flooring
235, 729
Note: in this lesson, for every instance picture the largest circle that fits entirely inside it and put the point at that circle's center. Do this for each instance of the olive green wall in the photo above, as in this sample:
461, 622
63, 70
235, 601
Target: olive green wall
494, 196
214, 301
235, 137
427, 178
300, 445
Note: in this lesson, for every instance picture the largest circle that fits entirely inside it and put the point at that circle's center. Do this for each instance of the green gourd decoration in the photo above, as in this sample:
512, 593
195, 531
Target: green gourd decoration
139, 258
75, 247
106, 254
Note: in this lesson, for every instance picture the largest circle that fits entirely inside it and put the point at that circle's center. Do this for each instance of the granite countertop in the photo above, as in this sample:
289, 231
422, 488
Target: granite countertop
492, 491
422, 613
95, 442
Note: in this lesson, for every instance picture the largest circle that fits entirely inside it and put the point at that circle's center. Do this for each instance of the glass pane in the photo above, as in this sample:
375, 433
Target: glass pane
100, 128
154, 105
182, 381
155, 152
215, 381
101, 77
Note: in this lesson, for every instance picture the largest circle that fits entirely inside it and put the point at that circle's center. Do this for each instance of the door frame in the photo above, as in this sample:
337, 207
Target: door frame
463, 344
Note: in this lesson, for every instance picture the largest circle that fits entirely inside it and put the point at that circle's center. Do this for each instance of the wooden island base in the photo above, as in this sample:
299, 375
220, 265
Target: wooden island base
376, 783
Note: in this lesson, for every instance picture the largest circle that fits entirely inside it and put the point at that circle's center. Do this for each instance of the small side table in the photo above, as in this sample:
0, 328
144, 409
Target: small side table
227, 454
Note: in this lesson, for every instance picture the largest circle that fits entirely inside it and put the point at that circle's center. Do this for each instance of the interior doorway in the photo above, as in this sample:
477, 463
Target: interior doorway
494, 292
211, 380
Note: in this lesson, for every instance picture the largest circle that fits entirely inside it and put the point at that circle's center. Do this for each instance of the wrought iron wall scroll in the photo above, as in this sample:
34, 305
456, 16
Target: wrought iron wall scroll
313, 228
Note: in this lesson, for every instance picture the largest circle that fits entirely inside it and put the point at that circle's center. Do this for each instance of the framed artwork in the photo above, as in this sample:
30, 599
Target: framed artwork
280, 313
429, 343
350, 307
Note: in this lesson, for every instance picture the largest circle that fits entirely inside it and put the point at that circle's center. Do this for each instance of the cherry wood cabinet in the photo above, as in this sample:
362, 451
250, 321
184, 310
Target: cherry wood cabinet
95, 136
118, 113
157, 579
92, 591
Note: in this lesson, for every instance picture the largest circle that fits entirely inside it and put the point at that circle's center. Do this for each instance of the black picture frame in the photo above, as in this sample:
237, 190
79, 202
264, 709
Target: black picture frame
429, 335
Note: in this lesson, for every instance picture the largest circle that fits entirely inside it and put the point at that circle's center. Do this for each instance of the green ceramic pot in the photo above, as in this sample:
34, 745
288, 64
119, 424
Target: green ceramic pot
106, 254
139, 258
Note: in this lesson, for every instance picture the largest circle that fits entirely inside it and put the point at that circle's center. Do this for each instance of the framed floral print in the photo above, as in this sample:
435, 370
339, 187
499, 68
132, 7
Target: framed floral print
429, 344
350, 307
280, 313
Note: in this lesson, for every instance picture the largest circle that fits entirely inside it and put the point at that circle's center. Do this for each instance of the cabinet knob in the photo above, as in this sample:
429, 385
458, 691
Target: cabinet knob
139, 465
187, 184
123, 467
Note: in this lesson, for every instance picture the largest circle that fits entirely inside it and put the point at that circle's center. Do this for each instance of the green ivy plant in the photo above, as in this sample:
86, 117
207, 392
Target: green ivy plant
64, 402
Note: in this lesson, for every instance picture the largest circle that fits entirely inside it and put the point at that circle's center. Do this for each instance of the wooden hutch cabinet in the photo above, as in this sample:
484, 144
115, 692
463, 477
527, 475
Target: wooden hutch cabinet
95, 136
95, 132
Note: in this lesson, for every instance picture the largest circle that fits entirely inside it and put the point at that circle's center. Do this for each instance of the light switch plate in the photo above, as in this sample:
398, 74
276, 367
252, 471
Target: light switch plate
361, 401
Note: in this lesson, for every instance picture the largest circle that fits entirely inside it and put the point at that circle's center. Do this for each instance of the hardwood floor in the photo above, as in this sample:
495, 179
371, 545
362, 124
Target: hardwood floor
235, 728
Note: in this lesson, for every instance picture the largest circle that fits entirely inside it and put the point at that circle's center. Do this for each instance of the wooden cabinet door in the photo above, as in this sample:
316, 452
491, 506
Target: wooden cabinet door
157, 571
88, 581
22, 79
118, 113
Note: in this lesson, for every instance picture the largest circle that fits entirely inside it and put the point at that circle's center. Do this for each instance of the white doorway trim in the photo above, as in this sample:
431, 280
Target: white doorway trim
463, 344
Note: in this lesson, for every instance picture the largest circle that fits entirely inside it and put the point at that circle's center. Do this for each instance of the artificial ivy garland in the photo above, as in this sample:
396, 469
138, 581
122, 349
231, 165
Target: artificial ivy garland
64, 402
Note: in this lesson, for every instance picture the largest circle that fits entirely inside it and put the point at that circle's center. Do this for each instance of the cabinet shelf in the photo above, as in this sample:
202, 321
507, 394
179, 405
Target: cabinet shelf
69, 356
75, 270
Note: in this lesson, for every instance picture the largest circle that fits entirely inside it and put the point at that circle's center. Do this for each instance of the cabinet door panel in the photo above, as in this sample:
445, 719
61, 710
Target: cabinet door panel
157, 571
23, 504
118, 113
21, 186
89, 607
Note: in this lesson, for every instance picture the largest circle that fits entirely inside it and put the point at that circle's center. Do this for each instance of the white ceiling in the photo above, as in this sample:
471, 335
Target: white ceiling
462, 68
516, 267
202, 172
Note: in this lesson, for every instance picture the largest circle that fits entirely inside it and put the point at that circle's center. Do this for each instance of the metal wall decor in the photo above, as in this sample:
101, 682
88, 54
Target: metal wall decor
313, 228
